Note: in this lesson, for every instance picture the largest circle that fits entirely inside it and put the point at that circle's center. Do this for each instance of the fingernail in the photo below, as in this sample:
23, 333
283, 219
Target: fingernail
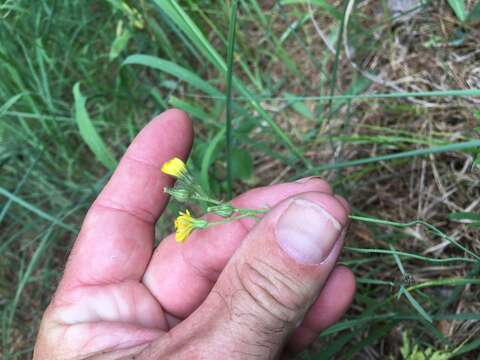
306, 179
307, 232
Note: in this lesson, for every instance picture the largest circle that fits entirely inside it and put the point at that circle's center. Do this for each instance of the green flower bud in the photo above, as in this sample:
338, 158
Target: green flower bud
179, 194
223, 210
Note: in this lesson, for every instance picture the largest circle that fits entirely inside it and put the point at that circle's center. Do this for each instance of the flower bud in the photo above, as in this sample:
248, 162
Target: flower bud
179, 194
223, 210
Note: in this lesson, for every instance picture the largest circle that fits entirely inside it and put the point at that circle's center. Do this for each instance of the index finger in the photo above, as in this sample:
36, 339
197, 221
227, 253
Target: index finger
116, 239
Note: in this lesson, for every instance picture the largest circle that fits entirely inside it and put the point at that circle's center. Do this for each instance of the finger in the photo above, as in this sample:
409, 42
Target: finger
334, 300
267, 287
115, 242
181, 275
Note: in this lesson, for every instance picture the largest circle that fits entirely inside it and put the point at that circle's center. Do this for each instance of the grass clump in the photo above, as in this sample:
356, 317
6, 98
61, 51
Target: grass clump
383, 105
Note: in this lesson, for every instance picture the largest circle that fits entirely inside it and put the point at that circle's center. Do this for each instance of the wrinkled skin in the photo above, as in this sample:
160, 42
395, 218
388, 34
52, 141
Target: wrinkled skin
228, 292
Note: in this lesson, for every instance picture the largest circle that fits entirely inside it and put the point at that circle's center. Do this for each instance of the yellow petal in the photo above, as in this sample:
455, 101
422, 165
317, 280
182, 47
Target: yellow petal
174, 167
183, 226
182, 234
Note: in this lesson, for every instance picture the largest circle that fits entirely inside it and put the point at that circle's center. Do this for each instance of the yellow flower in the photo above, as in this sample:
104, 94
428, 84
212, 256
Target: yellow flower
185, 224
175, 167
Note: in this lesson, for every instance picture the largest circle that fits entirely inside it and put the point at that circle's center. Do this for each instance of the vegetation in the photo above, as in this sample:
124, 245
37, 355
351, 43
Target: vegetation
383, 103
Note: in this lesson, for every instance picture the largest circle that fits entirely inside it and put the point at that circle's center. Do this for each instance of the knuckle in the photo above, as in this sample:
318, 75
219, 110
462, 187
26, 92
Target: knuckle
273, 293
316, 182
321, 184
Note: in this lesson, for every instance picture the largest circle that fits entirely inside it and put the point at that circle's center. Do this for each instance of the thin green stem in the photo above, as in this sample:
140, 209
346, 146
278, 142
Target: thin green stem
227, 220
252, 212
406, 254
430, 227
228, 123
206, 199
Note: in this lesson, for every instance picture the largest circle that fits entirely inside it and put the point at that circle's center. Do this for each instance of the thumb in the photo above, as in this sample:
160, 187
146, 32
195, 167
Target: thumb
267, 287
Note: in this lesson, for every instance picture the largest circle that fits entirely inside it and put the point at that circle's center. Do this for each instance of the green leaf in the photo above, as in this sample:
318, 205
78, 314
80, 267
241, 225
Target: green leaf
9, 103
474, 14
89, 133
464, 216
472, 144
174, 70
194, 110
208, 159
458, 7
119, 44
299, 106
473, 218
242, 164
416, 305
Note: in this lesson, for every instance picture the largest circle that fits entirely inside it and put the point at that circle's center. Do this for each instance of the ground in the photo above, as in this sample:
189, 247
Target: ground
383, 105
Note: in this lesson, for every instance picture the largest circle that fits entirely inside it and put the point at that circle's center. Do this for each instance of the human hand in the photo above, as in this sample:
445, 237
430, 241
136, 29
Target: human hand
235, 291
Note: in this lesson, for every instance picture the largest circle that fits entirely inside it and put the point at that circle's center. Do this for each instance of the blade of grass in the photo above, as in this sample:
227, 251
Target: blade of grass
446, 282
466, 348
28, 273
88, 132
373, 336
194, 110
397, 260
416, 305
9, 103
352, 323
458, 7
208, 159
18, 187
36, 210
406, 293
334, 347
358, 97
173, 69
405, 154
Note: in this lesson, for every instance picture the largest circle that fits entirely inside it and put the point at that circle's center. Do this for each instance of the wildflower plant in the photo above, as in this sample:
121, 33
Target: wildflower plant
186, 190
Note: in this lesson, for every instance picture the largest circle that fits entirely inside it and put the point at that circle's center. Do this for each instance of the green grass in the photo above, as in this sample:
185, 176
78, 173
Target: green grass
270, 103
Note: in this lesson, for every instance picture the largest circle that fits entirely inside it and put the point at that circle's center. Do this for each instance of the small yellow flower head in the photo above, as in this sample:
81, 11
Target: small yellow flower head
185, 224
175, 167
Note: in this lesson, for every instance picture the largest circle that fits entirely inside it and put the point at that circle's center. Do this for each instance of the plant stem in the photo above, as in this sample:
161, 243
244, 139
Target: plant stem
206, 199
228, 123
227, 220
430, 227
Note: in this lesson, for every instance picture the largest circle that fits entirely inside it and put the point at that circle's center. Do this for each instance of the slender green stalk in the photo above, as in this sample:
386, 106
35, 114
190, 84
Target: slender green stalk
227, 220
406, 254
228, 123
430, 227
206, 199
358, 97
